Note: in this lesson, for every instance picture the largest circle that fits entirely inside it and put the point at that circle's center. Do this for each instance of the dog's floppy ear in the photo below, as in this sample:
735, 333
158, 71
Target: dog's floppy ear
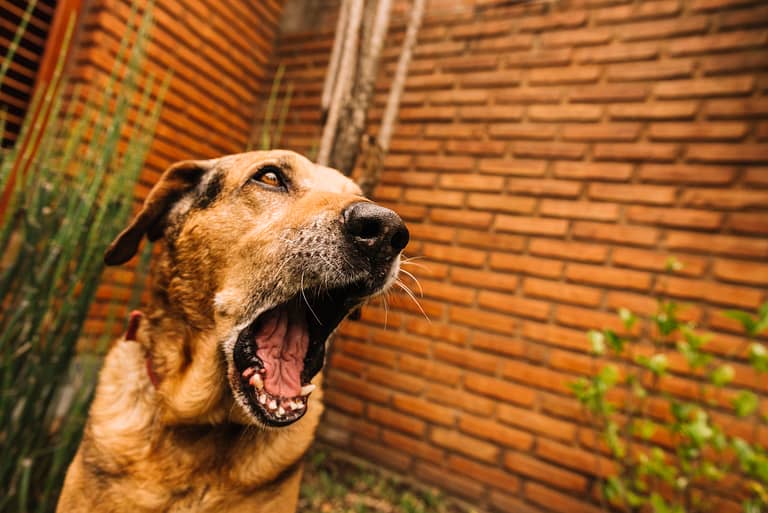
174, 183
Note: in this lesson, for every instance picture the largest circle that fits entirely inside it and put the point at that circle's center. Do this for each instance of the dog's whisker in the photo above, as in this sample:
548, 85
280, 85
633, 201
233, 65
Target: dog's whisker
415, 280
303, 294
413, 298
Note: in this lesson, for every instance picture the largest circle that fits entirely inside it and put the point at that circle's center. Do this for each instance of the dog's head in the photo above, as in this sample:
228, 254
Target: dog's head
271, 252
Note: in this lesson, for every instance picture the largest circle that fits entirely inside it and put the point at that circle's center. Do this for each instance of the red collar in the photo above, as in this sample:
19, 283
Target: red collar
130, 334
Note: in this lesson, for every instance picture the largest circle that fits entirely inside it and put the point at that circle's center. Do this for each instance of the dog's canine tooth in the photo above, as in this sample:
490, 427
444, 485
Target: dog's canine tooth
262, 398
272, 404
256, 381
307, 389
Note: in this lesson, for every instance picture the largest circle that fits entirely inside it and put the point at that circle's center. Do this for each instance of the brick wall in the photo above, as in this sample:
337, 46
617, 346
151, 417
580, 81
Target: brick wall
548, 159
218, 53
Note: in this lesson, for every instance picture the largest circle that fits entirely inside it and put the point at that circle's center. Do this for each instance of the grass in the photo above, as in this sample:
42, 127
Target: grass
338, 483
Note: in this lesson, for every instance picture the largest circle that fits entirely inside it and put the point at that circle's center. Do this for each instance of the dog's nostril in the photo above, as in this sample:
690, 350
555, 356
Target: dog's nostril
368, 229
400, 238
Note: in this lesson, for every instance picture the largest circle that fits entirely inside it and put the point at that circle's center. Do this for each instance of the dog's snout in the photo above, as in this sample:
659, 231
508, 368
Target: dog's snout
375, 229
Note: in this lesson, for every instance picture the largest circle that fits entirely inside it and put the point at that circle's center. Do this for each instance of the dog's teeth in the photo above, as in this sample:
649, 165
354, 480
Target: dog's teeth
257, 382
262, 398
281, 411
307, 389
272, 404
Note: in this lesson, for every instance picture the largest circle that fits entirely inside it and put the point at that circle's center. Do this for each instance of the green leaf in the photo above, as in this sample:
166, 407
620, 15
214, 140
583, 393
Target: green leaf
722, 375
609, 375
656, 363
645, 428
596, 342
758, 357
614, 341
747, 321
672, 264
627, 318
745, 403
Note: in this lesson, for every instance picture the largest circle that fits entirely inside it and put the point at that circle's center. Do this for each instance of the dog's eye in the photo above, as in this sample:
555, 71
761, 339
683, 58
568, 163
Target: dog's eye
270, 176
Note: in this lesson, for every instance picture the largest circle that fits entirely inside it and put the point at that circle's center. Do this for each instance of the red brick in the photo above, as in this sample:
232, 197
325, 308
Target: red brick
587, 170
637, 151
555, 501
461, 218
717, 42
526, 95
428, 197
654, 261
398, 421
472, 182
484, 279
554, 20
742, 108
549, 150
617, 132
650, 71
711, 5
434, 371
552, 475
446, 478
732, 86
484, 320
514, 167
734, 199
393, 459
497, 113
479, 148
605, 93
713, 292
588, 319
498, 389
370, 352
562, 292
656, 194
756, 176
400, 341
746, 153
505, 43
470, 446
430, 232
465, 256
555, 335
418, 82
756, 17
579, 209
735, 63
681, 217
427, 113
468, 63
410, 446
698, 131
488, 28
751, 273
618, 53
514, 305
636, 235
460, 97
748, 223
435, 330
438, 49
424, 409
568, 250
564, 113
498, 344
718, 244
483, 473
409, 178
531, 225
559, 75
663, 29
503, 502
539, 187
536, 375
351, 365
465, 358
445, 164
522, 131
679, 173
526, 265
443, 131
578, 37
608, 276
646, 10
359, 388
497, 202
343, 402
498, 78
576, 459
495, 432
501, 241
654, 111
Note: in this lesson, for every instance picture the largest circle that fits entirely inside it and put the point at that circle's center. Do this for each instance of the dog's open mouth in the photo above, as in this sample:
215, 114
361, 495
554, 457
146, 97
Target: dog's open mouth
279, 353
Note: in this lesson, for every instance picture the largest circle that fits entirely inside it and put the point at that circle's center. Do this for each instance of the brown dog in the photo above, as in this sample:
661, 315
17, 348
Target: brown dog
205, 404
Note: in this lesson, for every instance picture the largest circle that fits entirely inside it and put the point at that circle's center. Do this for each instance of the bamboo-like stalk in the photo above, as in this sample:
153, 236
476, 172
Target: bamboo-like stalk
71, 194
333, 63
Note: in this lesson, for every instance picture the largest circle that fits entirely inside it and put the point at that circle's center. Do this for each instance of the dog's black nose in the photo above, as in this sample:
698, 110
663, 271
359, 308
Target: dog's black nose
375, 229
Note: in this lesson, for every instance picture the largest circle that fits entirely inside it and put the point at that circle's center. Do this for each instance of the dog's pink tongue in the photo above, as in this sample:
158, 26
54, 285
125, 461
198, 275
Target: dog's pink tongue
282, 345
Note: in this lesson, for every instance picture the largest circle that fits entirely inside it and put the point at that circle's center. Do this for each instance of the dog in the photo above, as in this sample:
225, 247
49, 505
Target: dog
212, 397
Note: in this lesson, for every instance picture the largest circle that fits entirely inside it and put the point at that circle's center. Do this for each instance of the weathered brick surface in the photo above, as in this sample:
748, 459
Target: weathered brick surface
548, 159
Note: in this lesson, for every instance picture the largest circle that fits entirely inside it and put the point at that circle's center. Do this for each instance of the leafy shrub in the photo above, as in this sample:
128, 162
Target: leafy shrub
669, 453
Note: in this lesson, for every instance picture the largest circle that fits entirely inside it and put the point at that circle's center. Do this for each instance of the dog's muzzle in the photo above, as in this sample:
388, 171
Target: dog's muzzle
376, 231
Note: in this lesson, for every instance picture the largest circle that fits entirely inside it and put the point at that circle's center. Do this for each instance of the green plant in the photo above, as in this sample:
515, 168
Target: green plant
270, 136
69, 179
668, 451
